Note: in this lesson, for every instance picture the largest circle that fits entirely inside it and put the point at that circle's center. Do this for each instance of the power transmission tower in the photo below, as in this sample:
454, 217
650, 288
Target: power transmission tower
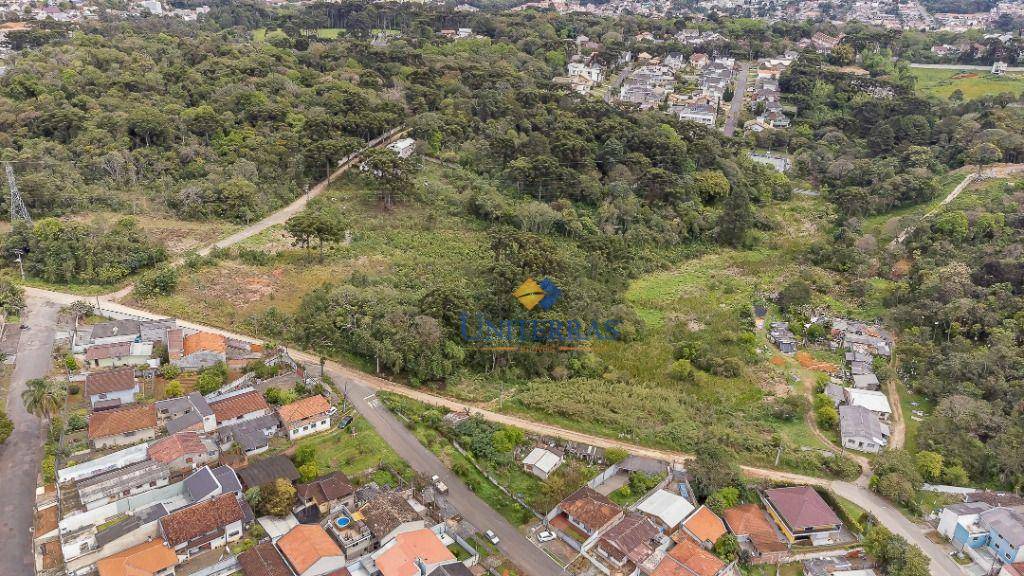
18, 209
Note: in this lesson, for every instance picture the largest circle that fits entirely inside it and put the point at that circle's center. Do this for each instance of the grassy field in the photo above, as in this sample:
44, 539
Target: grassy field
260, 34
972, 83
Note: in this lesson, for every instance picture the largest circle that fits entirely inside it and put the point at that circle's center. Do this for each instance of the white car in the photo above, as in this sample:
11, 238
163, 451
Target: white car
492, 537
545, 536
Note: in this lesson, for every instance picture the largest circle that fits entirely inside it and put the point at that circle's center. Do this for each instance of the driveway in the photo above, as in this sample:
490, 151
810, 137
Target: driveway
20, 455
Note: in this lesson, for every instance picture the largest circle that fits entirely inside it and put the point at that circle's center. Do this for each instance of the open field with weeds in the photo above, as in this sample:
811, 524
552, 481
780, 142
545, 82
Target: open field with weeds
971, 83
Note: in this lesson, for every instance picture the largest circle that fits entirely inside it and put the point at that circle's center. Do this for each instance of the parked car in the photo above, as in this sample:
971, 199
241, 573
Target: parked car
492, 537
344, 422
545, 536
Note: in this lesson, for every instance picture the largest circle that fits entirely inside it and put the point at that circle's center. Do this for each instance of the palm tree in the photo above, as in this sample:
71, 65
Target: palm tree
44, 398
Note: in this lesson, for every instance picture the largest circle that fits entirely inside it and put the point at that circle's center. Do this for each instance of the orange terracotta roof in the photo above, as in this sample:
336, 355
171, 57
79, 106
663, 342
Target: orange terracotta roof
302, 409
200, 519
175, 446
143, 560
749, 520
236, 406
400, 558
205, 341
305, 544
688, 559
112, 422
591, 508
705, 525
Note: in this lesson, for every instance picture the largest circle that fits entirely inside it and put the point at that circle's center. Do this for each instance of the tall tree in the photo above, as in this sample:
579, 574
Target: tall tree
43, 397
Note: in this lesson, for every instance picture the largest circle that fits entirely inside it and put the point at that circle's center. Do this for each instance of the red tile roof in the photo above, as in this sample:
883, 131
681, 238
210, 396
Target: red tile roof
195, 521
111, 350
263, 560
240, 405
749, 520
143, 560
688, 559
175, 446
328, 488
801, 507
705, 525
632, 537
302, 409
109, 381
400, 559
113, 422
207, 341
591, 508
305, 544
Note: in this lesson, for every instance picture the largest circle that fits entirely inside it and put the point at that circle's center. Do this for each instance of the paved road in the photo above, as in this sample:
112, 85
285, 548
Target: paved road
20, 455
738, 96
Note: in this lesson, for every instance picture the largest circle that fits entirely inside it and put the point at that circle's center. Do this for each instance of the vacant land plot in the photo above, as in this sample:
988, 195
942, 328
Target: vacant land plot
971, 83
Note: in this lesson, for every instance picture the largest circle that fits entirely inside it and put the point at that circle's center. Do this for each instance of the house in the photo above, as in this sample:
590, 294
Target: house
202, 350
588, 511
592, 72
865, 381
689, 559
328, 492
860, 429
112, 461
802, 514
780, 335
207, 483
702, 114
263, 560
414, 553
190, 412
755, 532
542, 462
309, 551
122, 426
874, 400
698, 60
116, 354
111, 388
388, 515
999, 68
252, 436
404, 147
204, 526
666, 508
156, 330
115, 331
263, 472
632, 539
114, 485
307, 416
239, 408
958, 523
824, 43
1005, 533
184, 451
704, 527
151, 558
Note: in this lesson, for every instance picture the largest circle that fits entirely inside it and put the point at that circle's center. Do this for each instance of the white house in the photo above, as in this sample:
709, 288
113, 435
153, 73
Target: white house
541, 462
111, 388
999, 68
404, 147
116, 354
965, 515
873, 400
702, 114
591, 72
861, 430
666, 508
306, 416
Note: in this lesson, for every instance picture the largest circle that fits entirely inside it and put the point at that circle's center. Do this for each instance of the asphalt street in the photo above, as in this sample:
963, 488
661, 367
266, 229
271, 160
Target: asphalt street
20, 455
739, 95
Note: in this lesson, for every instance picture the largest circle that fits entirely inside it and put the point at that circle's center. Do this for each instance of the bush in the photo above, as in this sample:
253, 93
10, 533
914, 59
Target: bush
723, 499
78, 421
173, 389
276, 499
615, 455
209, 381
827, 416
6, 427
170, 371
70, 363
305, 454
49, 468
74, 389
159, 282
308, 472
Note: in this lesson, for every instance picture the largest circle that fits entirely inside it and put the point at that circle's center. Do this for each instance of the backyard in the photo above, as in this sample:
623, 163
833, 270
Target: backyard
972, 84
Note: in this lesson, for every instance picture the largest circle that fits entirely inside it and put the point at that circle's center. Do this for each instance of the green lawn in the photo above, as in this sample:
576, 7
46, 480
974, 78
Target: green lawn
358, 455
972, 83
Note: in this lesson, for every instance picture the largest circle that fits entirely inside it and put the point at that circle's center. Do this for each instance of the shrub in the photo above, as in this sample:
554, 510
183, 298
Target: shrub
49, 468
305, 454
308, 472
170, 371
209, 381
615, 455
6, 427
159, 282
74, 389
77, 421
173, 389
722, 499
